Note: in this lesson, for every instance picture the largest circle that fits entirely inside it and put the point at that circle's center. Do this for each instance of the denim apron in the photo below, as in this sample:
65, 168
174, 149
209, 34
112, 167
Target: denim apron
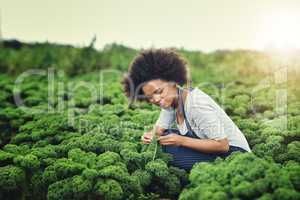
184, 157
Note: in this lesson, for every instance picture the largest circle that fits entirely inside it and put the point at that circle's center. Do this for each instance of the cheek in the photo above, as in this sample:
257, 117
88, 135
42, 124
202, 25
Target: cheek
169, 99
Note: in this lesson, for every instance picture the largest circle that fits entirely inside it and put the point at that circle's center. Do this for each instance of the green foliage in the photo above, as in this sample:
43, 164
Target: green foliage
108, 189
12, 180
28, 162
11, 177
81, 142
243, 176
71, 188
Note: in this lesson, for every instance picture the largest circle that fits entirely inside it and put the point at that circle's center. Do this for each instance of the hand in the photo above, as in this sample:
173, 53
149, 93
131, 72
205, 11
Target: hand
171, 139
147, 137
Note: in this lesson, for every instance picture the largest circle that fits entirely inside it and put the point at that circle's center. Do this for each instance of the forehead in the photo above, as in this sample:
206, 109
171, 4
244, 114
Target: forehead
151, 86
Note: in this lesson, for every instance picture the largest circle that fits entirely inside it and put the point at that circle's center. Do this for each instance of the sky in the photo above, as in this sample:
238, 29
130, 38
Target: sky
205, 25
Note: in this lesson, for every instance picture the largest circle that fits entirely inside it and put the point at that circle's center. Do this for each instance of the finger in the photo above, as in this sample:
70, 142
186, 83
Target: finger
146, 142
147, 137
143, 138
167, 143
166, 140
163, 137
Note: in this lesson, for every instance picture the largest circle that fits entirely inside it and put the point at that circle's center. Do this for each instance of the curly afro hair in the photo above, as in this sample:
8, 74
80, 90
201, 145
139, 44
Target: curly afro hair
164, 64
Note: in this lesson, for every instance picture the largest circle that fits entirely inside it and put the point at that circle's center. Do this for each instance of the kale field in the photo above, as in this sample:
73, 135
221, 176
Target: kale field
68, 132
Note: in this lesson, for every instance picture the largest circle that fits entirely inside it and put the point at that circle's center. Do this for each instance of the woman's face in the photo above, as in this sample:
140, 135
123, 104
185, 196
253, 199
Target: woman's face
160, 92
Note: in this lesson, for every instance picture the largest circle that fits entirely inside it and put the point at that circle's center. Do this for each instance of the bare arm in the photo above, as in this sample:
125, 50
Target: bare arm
206, 145
202, 145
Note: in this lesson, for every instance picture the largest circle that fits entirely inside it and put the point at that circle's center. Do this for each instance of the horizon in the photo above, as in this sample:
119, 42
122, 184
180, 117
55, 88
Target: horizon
269, 50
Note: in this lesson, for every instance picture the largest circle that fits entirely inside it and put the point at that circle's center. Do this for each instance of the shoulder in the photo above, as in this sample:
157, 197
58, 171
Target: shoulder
201, 108
199, 101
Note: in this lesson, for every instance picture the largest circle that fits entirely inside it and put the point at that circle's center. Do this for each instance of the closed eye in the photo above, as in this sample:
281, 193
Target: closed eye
158, 91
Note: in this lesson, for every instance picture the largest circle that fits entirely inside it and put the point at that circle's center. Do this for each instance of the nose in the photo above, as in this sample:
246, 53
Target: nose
156, 99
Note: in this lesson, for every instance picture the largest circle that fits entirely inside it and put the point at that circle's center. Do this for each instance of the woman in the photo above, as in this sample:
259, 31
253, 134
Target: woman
204, 130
